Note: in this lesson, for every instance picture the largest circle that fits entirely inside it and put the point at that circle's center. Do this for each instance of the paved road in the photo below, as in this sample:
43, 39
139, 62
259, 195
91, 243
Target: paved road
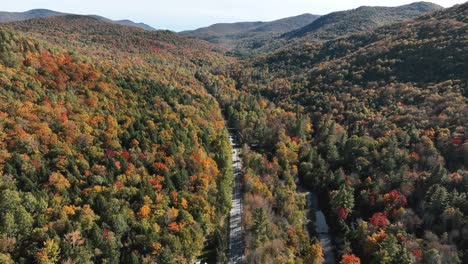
321, 227
236, 236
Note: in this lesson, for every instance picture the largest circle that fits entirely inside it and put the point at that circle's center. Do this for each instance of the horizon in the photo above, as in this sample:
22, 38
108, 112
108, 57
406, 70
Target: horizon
169, 16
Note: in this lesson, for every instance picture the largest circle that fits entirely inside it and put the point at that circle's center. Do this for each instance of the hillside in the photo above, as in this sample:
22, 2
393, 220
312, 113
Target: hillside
386, 149
255, 38
81, 32
130, 23
248, 38
124, 22
6, 17
214, 32
364, 18
110, 150
34, 13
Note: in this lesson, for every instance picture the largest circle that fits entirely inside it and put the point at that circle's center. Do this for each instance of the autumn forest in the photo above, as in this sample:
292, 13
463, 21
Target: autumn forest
114, 140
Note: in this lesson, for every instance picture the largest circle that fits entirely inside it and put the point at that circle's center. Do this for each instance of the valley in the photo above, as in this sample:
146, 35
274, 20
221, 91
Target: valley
338, 138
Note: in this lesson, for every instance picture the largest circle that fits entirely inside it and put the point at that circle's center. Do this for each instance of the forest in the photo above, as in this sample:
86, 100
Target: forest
378, 126
114, 144
102, 159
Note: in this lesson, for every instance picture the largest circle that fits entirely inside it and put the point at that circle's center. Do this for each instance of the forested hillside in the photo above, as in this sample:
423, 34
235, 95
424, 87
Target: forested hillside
18, 16
388, 139
110, 150
249, 39
360, 19
6, 17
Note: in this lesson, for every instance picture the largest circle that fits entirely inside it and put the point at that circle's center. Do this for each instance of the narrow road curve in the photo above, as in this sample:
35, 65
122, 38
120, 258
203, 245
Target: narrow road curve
321, 228
236, 236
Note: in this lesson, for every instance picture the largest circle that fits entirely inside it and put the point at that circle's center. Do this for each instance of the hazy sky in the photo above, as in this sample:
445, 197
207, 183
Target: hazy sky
189, 14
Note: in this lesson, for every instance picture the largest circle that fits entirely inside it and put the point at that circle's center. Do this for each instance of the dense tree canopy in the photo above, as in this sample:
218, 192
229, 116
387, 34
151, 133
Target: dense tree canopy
106, 155
388, 147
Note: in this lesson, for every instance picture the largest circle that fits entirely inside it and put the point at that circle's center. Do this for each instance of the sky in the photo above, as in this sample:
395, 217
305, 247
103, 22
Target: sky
178, 15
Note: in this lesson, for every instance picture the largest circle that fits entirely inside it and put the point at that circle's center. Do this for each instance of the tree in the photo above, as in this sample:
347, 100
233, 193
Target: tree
6, 259
379, 220
144, 212
391, 252
14, 217
59, 181
437, 199
436, 203
343, 200
49, 253
331, 150
350, 259
260, 226
394, 200
432, 256
314, 254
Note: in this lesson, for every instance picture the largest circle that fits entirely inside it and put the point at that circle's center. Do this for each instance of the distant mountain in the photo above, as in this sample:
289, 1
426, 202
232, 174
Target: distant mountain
127, 22
19, 16
218, 31
287, 24
361, 19
246, 38
6, 17
81, 30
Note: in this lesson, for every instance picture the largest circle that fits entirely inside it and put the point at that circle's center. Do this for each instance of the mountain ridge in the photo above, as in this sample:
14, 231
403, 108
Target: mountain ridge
243, 26
360, 19
245, 38
248, 39
6, 17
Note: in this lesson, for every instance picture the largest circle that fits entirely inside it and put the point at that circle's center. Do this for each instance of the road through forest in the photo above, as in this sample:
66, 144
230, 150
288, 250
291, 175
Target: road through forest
321, 228
236, 237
